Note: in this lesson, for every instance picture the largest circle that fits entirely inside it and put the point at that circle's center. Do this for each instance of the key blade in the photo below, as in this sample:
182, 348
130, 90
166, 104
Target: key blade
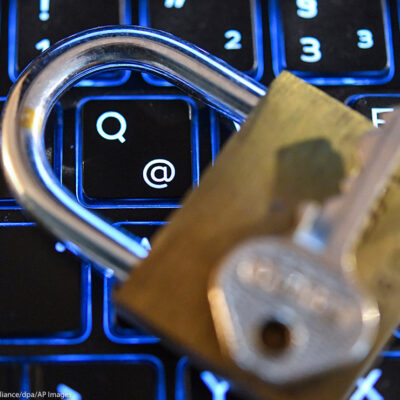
339, 224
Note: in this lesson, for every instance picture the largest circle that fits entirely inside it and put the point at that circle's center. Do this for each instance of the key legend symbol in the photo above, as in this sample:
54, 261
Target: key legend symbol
377, 119
158, 173
44, 14
217, 387
68, 392
42, 45
145, 242
60, 248
174, 3
366, 387
122, 126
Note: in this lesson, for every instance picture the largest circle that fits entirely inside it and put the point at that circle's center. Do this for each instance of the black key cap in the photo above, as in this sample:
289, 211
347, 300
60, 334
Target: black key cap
116, 329
53, 137
140, 150
231, 33
44, 294
204, 385
123, 377
342, 39
10, 379
381, 382
375, 106
41, 23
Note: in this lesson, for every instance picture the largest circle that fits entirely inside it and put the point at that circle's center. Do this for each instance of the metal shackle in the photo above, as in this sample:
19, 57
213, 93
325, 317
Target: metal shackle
31, 99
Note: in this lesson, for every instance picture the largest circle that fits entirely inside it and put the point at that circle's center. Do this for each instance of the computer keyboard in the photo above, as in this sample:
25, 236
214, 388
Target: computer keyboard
141, 375
129, 145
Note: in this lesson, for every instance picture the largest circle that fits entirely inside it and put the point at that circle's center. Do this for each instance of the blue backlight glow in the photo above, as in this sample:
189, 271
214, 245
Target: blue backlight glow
258, 70
68, 392
60, 338
351, 78
115, 78
136, 203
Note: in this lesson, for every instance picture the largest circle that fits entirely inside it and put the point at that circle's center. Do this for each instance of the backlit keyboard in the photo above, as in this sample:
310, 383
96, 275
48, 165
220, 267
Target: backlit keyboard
130, 145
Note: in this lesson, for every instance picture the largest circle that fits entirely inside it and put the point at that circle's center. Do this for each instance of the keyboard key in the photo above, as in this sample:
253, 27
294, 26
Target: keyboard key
10, 378
116, 329
338, 42
137, 150
378, 384
36, 25
375, 107
231, 33
381, 382
195, 385
44, 294
53, 137
123, 377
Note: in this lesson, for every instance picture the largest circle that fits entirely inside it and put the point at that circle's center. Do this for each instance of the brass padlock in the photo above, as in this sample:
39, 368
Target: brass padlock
256, 187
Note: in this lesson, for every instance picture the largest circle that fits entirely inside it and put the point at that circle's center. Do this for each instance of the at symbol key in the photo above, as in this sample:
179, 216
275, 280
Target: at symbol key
136, 150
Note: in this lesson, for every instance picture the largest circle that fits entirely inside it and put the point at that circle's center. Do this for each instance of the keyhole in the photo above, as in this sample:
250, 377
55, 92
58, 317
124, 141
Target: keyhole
276, 337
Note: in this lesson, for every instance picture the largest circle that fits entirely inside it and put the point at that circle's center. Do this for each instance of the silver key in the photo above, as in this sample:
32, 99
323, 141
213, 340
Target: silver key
288, 310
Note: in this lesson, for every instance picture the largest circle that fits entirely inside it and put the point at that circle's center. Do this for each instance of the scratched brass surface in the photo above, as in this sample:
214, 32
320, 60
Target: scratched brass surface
297, 146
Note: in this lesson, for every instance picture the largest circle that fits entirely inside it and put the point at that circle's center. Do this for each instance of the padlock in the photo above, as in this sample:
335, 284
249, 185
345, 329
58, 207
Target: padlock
297, 146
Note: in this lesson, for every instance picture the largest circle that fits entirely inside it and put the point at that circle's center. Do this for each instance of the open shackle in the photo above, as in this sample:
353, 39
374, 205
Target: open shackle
32, 97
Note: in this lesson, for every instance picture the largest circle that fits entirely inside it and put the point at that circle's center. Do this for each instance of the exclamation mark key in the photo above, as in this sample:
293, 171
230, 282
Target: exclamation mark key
42, 23
44, 13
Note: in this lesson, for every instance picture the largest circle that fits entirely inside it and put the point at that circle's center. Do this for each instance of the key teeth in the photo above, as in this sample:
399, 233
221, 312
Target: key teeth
309, 213
316, 222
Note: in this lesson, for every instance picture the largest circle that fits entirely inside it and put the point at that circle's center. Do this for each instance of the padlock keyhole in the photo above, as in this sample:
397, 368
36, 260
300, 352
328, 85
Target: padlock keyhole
276, 337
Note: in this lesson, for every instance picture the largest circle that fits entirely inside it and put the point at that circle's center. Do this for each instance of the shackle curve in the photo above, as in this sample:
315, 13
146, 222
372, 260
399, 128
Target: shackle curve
32, 97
